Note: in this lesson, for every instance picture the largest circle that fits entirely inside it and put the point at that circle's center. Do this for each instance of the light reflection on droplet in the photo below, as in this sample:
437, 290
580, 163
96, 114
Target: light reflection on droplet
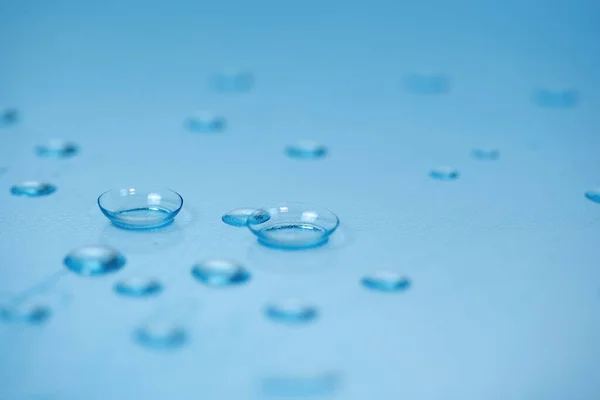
217, 272
241, 217
33, 189
94, 260
386, 281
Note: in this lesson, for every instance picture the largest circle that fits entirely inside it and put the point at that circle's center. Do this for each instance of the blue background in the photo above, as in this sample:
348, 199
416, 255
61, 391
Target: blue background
504, 260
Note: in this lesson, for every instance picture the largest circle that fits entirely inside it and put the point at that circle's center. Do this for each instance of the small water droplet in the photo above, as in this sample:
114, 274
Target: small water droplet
291, 311
386, 281
8, 116
234, 81
94, 260
485, 154
241, 217
33, 189
25, 312
556, 98
593, 195
161, 335
306, 149
57, 148
216, 272
427, 83
138, 287
205, 122
444, 173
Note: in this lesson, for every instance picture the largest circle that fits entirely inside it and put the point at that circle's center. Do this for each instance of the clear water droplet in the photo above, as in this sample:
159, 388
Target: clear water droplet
25, 312
593, 195
487, 154
94, 260
57, 148
555, 98
233, 81
138, 287
217, 272
291, 311
8, 116
33, 189
386, 281
205, 122
427, 83
444, 173
161, 335
306, 149
241, 217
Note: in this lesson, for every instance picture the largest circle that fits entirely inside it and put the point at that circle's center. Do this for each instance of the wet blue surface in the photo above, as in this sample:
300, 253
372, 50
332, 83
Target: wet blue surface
505, 286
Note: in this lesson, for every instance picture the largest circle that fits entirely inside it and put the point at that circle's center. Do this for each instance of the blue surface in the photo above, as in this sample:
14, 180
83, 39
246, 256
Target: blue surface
505, 285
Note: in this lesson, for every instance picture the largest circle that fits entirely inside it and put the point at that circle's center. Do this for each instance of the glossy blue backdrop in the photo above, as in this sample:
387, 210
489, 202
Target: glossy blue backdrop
504, 261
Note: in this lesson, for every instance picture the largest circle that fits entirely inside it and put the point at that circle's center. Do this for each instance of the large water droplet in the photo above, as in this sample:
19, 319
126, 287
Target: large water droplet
306, 149
57, 148
138, 287
94, 260
205, 122
8, 116
485, 153
33, 189
240, 217
291, 311
556, 98
593, 195
216, 272
161, 335
386, 281
444, 173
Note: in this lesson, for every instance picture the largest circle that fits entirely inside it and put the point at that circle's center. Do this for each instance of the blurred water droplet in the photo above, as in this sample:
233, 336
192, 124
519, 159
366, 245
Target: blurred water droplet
485, 154
8, 116
556, 98
444, 173
57, 148
161, 335
232, 81
33, 189
306, 149
301, 385
138, 287
593, 195
216, 272
386, 281
291, 311
94, 260
205, 122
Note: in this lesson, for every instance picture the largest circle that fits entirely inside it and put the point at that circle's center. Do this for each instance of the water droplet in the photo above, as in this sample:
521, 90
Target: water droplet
8, 116
427, 83
138, 287
386, 281
556, 98
25, 312
140, 208
291, 311
485, 154
33, 189
216, 272
306, 149
205, 122
295, 226
593, 195
444, 173
94, 260
240, 217
161, 335
57, 148
234, 81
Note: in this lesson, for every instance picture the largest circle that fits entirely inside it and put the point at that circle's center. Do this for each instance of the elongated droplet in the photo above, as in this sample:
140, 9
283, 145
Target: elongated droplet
33, 189
386, 281
291, 311
161, 335
218, 272
444, 174
138, 287
593, 195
